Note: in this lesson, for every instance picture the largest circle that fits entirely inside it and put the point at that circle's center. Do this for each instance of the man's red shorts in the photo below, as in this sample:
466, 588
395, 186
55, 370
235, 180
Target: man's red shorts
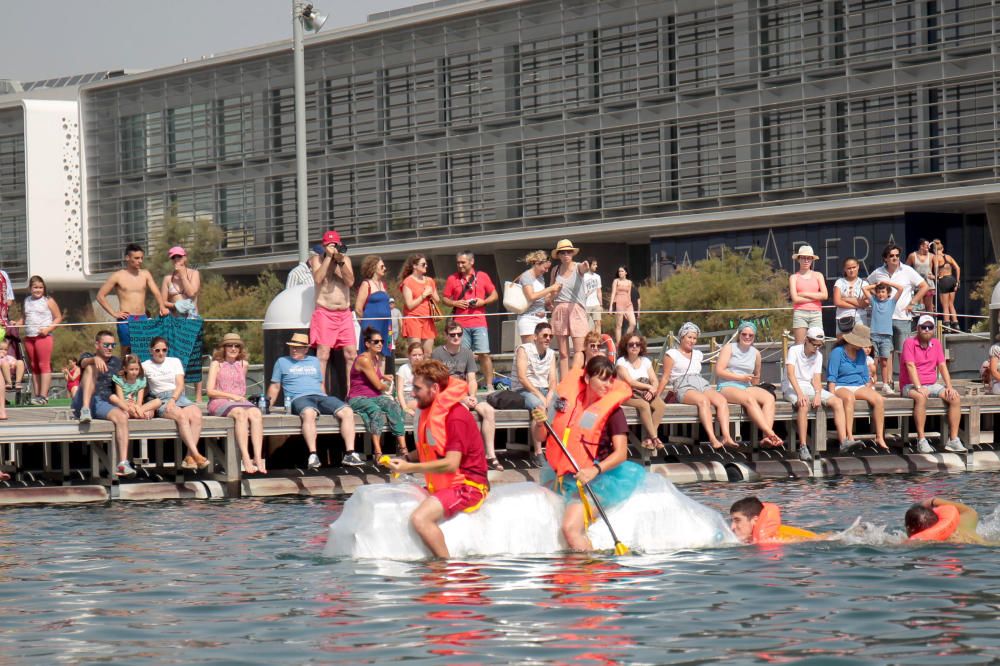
458, 498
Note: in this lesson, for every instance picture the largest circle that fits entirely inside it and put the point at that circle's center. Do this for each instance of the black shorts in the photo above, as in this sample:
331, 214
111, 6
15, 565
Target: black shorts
947, 284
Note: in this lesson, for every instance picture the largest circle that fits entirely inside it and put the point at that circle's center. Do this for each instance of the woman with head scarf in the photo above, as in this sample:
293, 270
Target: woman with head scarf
738, 370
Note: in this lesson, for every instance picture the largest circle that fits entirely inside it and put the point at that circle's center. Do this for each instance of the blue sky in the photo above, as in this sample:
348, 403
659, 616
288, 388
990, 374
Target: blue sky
40, 40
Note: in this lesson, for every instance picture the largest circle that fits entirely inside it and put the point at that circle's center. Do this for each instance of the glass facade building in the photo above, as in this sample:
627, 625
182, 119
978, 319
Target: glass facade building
539, 117
13, 195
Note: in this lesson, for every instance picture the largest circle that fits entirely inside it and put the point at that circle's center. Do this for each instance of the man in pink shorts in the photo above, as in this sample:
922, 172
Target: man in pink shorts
332, 326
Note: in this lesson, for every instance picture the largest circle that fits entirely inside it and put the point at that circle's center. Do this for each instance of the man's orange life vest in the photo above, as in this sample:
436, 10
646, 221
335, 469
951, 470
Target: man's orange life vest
431, 431
581, 429
768, 528
945, 526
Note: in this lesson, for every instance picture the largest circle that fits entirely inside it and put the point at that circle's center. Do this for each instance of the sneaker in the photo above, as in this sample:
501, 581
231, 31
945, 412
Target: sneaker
125, 470
804, 454
955, 446
849, 444
85, 415
351, 458
314, 463
38, 401
538, 459
923, 446
887, 389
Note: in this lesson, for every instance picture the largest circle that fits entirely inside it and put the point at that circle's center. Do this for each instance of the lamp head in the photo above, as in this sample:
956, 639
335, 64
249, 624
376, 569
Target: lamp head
312, 20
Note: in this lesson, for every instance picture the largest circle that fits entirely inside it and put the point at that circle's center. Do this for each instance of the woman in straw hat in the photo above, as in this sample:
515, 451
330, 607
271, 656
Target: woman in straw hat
569, 314
227, 396
808, 291
849, 378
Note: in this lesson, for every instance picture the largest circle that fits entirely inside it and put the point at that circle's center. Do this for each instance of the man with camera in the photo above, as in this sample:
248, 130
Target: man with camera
332, 326
468, 292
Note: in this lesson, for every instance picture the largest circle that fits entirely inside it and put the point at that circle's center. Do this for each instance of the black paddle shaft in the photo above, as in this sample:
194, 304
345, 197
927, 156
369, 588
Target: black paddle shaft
593, 496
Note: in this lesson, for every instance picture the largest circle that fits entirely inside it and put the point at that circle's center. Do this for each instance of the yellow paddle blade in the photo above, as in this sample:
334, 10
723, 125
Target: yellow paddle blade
384, 461
621, 549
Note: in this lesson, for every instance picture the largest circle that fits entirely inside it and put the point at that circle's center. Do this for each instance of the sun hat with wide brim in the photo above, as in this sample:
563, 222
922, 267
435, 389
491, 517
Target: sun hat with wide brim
859, 336
564, 244
232, 339
298, 340
805, 251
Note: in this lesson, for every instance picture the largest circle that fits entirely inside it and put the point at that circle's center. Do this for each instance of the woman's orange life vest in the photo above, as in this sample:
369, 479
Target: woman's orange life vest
431, 432
580, 428
768, 528
945, 526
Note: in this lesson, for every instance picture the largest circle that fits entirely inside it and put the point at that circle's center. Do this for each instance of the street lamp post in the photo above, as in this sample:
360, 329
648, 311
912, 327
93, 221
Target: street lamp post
304, 17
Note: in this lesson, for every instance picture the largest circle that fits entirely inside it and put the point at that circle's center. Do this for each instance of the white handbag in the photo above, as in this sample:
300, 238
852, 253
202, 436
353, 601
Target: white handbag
514, 299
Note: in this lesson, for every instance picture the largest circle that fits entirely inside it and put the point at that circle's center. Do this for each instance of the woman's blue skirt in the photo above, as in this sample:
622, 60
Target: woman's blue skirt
611, 487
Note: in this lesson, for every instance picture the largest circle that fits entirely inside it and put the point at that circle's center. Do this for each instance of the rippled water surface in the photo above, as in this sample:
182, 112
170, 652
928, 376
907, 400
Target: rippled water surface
243, 581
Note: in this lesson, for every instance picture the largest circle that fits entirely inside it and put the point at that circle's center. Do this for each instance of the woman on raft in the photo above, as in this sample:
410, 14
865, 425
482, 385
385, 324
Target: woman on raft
594, 431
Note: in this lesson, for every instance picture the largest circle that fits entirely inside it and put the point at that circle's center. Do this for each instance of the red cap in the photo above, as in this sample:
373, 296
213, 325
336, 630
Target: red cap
331, 237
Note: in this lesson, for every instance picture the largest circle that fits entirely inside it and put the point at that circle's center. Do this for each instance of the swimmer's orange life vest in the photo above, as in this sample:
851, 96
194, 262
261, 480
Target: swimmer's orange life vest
431, 436
945, 526
768, 528
581, 429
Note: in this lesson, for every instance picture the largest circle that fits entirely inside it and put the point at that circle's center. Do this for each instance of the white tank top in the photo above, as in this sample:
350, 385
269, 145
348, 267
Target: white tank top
36, 315
538, 368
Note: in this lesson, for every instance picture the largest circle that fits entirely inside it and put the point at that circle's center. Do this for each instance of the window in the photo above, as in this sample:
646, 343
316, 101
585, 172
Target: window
471, 192
793, 142
631, 168
704, 46
353, 200
791, 36
554, 72
468, 83
969, 138
882, 137
629, 59
189, 135
706, 158
413, 194
350, 103
410, 98
554, 177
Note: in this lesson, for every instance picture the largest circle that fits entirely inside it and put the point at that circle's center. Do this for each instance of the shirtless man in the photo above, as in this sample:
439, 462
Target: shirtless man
130, 285
332, 326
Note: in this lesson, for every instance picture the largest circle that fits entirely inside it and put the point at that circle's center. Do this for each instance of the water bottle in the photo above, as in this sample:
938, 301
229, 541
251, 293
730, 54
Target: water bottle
288, 404
262, 404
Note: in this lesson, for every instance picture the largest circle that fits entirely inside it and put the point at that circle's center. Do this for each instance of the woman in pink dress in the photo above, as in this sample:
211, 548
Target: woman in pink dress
227, 393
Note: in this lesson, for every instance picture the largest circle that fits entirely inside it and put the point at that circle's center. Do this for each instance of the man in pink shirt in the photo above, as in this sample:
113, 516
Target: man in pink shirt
922, 370
468, 292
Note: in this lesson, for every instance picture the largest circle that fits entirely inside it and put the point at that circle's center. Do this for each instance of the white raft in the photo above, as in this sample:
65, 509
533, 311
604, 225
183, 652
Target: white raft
520, 519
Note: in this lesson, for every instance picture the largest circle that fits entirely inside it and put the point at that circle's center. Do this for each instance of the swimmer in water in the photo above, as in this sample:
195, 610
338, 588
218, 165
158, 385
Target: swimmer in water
938, 519
753, 521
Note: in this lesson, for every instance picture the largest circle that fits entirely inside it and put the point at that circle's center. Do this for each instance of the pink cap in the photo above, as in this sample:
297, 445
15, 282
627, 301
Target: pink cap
176, 251
331, 237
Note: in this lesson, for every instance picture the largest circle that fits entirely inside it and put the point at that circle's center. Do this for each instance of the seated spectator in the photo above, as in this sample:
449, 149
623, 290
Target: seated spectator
370, 394
883, 296
227, 397
738, 371
682, 372
71, 373
165, 379
130, 390
848, 378
535, 377
301, 378
462, 364
11, 366
404, 378
635, 369
803, 387
532, 281
94, 397
923, 374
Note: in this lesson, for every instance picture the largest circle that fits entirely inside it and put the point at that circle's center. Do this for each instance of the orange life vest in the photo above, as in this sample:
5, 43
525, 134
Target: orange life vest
768, 528
431, 431
945, 526
582, 435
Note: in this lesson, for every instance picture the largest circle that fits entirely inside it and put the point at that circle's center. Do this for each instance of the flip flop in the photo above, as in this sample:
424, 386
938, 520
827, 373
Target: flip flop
495, 464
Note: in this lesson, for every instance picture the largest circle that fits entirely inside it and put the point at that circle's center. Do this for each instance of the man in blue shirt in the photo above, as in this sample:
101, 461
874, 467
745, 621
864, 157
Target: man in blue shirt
301, 378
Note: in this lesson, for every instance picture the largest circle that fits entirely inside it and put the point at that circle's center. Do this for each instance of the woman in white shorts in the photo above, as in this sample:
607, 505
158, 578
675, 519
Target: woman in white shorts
682, 371
535, 292
738, 371
849, 378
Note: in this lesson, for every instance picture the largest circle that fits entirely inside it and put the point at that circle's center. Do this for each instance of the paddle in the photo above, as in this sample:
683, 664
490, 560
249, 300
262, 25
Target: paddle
620, 548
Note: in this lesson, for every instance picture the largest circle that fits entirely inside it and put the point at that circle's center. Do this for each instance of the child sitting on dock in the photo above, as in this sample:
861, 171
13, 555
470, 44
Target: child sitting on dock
130, 388
8, 363
71, 372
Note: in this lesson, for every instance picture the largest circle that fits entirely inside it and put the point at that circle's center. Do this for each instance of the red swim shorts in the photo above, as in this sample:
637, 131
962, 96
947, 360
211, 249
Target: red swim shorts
332, 328
458, 498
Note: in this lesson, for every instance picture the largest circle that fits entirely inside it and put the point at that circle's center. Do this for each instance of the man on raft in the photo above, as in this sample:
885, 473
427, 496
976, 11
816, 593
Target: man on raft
938, 519
592, 425
450, 450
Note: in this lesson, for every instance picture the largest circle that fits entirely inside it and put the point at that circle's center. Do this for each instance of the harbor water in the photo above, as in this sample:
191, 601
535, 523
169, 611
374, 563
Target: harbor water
245, 582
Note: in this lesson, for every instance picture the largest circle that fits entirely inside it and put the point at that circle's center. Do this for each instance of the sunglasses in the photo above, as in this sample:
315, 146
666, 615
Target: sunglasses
109, 345
635, 345
160, 349
816, 343
894, 255
926, 327
593, 346
232, 345
375, 342
454, 335
545, 336
561, 252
